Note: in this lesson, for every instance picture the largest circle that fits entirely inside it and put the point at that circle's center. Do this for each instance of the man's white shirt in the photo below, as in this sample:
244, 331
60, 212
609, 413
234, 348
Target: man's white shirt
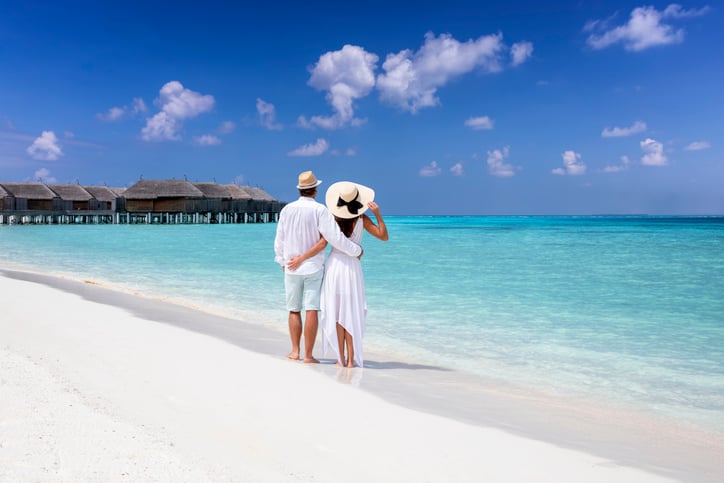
300, 225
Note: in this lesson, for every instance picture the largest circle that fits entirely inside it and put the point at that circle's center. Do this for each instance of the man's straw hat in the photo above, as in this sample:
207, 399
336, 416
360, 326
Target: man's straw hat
307, 180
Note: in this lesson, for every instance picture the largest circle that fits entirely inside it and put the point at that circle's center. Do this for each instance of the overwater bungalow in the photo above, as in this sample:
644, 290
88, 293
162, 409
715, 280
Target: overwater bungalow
147, 201
73, 197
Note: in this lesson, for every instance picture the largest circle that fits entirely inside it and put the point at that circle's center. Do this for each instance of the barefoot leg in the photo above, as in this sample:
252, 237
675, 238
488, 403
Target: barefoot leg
295, 334
350, 348
340, 344
310, 334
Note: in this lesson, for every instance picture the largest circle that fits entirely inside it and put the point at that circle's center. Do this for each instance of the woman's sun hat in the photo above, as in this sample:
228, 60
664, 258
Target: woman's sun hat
345, 199
307, 180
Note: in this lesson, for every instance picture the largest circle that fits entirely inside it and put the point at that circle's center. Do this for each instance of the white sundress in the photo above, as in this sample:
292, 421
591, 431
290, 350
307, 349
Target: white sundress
343, 299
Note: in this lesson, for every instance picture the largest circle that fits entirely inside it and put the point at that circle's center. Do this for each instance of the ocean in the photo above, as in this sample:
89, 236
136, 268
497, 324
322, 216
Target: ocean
628, 310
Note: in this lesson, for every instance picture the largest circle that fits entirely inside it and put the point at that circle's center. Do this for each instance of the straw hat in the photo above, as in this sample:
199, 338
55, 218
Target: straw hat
348, 200
307, 180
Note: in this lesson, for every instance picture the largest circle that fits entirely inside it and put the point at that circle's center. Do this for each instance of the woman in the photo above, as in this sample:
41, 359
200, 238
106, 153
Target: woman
343, 302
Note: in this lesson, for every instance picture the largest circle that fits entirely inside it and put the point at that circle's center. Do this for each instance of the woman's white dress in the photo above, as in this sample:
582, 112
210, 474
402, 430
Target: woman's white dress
343, 299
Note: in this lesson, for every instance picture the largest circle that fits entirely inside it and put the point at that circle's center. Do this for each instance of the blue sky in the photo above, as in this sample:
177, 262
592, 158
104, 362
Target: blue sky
457, 108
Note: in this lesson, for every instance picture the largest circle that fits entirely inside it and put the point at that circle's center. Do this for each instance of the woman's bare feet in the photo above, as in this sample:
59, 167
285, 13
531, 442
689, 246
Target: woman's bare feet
293, 356
310, 360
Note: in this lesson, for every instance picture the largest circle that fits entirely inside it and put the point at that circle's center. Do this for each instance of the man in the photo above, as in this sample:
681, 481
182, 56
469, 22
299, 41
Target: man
299, 228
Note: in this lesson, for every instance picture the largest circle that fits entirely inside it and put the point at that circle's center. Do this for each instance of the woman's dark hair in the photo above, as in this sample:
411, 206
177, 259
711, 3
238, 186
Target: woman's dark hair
346, 225
309, 192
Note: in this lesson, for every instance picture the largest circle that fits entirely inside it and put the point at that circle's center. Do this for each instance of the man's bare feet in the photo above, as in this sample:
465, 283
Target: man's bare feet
293, 356
310, 360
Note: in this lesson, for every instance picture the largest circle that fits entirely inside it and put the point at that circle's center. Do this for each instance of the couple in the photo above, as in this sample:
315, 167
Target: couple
303, 231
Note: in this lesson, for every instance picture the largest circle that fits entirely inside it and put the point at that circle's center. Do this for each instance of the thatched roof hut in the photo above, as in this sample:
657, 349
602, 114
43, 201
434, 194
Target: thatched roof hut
102, 193
213, 190
30, 191
147, 189
70, 192
258, 194
173, 196
238, 192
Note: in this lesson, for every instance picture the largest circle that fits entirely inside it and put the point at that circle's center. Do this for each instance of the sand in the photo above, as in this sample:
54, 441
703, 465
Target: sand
101, 386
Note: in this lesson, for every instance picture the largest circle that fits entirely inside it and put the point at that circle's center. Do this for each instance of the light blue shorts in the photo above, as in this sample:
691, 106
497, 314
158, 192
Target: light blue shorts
303, 291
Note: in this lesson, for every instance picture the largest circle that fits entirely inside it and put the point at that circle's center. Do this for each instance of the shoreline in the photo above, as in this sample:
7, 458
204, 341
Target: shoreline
643, 443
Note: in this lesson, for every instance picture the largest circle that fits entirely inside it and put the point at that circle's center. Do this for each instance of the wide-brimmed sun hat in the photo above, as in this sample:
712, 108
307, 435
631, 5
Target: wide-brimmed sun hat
346, 199
307, 180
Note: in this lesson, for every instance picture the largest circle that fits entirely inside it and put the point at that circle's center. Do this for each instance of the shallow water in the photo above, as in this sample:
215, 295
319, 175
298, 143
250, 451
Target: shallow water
625, 309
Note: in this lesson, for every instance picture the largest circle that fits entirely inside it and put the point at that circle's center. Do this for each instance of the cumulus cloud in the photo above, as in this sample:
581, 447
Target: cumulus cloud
625, 161
571, 165
645, 28
320, 146
177, 103
207, 140
479, 123
698, 146
45, 147
346, 75
653, 153
117, 113
267, 115
431, 169
637, 127
520, 52
497, 165
227, 127
44, 176
411, 79
457, 169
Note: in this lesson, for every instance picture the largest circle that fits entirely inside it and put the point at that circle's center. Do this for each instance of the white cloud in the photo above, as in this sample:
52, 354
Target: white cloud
45, 147
496, 164
411, 79
207, 140
118, 113
267, 115
520, 52
698, 146
347, 75
644, 29
69, 134
161, 127
479, 123
177, 103
653, 153
113, 114
571, 164
351, 152
431, 169
637, 127
320, 146
43, 175
227, 127
137, 105
625, 161
457, 169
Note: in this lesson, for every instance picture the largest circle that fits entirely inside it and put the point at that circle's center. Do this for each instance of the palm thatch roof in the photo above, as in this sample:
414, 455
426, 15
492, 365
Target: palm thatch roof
258, 194
238, 192
213, 190
147, 189
70, 192
30, 191
101, 193
3, 193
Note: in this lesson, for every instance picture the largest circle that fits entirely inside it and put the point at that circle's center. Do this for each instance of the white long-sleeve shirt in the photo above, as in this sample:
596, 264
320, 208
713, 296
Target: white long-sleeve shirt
300, 225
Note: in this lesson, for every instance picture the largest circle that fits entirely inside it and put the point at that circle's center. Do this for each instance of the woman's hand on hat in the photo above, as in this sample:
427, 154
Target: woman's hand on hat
374, 207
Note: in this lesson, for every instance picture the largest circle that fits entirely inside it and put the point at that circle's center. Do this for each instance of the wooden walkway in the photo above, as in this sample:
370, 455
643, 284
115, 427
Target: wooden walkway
34, 217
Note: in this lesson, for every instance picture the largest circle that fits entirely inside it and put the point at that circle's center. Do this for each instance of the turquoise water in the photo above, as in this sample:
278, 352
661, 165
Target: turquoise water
622, 309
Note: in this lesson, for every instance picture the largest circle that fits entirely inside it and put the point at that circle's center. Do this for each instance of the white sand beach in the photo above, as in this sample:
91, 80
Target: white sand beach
92, 389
